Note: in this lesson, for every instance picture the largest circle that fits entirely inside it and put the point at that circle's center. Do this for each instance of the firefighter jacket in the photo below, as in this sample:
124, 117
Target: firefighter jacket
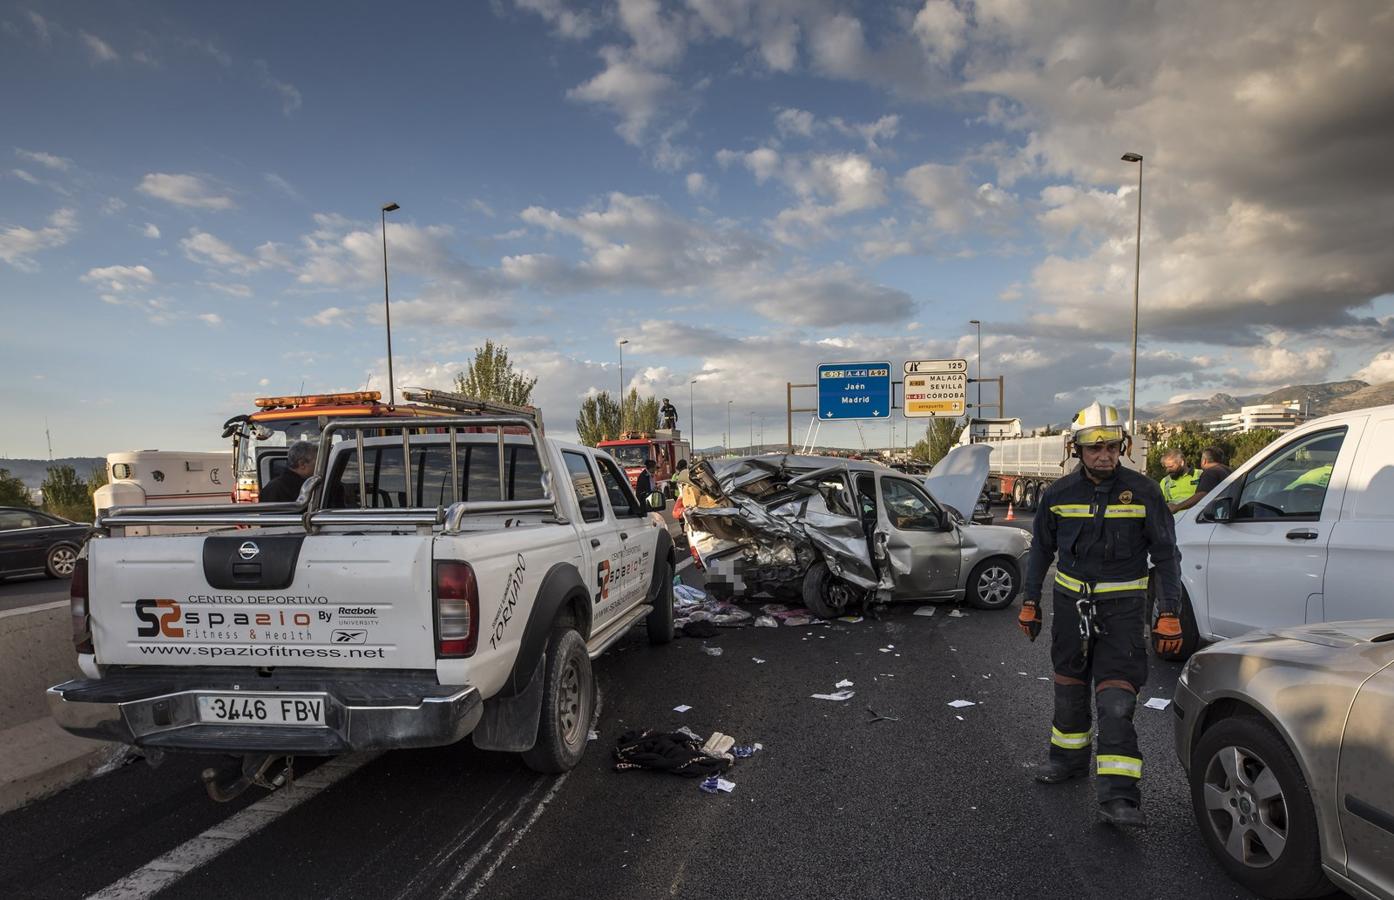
1104, 535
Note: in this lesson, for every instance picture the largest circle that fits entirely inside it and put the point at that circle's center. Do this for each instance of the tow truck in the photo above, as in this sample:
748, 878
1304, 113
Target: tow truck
665, 446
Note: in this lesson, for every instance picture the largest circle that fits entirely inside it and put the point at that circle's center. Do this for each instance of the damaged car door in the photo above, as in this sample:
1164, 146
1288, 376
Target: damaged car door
917, 545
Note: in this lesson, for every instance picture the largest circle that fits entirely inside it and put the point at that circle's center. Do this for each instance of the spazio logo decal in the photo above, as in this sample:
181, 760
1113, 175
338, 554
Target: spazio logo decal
166, 618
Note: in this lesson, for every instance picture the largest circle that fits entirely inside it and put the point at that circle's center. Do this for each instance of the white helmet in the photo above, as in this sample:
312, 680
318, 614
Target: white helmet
1097, 424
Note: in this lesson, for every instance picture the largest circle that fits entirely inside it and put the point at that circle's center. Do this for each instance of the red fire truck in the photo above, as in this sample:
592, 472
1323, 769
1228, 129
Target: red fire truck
664, 446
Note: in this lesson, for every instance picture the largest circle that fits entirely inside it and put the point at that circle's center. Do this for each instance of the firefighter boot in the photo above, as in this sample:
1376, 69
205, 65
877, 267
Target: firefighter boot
1122, 813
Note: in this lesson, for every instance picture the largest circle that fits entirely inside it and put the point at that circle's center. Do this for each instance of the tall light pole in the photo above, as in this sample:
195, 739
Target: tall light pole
752, 429
387, 304
1137, 277
729, 439
691, 415
979, 326
621, 346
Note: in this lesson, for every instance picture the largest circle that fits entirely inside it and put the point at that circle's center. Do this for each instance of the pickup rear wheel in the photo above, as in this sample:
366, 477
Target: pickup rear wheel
660, 620
568, 703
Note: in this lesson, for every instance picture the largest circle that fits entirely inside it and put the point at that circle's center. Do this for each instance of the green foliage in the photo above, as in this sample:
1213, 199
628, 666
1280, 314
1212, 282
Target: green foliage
66, 495
599, 419
939, 439
96, 480
491, 377
639, 414
1193, 438
13, 491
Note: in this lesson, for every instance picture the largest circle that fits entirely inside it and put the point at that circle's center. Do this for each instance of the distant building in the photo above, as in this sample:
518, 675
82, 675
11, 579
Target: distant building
1277, 416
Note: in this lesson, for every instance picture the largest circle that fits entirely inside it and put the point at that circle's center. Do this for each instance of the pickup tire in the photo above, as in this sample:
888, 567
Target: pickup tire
660, 621
568, 703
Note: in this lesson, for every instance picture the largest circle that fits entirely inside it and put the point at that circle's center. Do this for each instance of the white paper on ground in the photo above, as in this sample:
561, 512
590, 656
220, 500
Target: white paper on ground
960, 704
840, 695
956, 614
723, 785
843, 683
683, 708
757, 660
925, 611
1157, 703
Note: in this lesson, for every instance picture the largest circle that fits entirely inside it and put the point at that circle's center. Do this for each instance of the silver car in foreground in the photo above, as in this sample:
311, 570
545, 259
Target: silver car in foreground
836, 532
1288, 739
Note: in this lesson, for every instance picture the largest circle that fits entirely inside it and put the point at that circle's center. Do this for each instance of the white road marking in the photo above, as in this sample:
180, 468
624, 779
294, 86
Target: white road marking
55, 604
163, 871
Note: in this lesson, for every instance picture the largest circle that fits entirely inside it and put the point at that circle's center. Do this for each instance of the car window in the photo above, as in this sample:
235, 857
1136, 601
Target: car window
1293, 483
583, 481
622, 499
907, 507
15, 519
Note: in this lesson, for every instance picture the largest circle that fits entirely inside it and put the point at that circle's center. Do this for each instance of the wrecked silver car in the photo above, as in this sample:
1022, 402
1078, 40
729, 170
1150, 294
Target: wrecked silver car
836, 532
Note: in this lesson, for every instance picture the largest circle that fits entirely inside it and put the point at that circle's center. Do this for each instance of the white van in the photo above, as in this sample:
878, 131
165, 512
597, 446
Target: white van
1302, 532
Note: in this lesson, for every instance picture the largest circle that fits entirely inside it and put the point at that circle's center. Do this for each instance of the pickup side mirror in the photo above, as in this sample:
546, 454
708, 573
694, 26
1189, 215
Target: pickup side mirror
655, 501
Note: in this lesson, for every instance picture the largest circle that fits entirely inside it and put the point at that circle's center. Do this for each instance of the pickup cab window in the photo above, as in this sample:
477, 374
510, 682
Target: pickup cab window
622, 499
1293, 483
385, 481
583, 481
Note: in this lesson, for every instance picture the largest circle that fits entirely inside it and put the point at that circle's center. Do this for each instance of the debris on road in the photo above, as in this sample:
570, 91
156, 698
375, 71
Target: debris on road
850, 620
960, 704
745, 751
766, 622
674, 752
843, 683
712, 651
713, 784
877, 717
1157, 703
957, 614
757, 660
925, 611
838, 697
681, 709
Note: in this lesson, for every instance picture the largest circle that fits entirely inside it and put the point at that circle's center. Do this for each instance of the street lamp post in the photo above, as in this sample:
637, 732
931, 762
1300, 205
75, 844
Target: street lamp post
1137, 278
691, 415
979, 326
752, 430
621, 346
729, 439
387, 304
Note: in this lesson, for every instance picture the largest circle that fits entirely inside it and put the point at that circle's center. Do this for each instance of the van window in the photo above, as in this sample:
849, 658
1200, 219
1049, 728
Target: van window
430, 472
582, 479
1293, 483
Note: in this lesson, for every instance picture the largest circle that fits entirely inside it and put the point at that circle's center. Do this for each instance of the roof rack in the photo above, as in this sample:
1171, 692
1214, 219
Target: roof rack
465, 404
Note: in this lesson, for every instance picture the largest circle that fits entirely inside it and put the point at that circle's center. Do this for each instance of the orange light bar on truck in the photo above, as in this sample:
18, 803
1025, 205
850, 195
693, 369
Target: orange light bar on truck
319, 399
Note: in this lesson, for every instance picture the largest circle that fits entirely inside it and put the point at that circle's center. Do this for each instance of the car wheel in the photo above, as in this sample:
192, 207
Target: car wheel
1019, 494
1190, 635
993, 584
1255, 811
1028, 497
62, 559
660, 621
823, 594
568, 702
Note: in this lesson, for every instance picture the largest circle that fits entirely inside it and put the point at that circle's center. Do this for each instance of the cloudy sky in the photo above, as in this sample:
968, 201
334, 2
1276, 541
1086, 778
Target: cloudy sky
742, 189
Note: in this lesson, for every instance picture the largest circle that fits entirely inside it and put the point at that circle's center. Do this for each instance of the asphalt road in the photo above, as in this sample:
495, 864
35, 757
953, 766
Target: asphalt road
31, 590
939, 803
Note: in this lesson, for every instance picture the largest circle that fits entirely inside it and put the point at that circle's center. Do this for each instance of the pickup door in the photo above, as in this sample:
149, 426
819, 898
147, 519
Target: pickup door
355, 601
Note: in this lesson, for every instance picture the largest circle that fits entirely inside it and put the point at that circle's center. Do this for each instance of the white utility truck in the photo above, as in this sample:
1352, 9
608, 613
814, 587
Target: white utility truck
447, 580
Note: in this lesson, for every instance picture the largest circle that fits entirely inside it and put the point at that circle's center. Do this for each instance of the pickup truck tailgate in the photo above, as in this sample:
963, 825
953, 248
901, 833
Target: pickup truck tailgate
258, 599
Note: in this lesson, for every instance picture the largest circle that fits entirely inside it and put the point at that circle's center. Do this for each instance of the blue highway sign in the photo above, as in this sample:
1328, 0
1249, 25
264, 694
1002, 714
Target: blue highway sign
859, 390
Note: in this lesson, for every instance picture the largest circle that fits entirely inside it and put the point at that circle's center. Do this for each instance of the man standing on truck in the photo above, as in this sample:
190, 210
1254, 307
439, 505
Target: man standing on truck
1104, 522
300, 464
1180, 479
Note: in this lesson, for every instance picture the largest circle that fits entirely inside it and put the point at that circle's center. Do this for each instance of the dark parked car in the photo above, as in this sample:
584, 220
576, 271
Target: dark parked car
32, 542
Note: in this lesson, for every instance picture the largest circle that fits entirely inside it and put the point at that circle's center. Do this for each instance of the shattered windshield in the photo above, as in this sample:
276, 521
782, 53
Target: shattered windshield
629, 454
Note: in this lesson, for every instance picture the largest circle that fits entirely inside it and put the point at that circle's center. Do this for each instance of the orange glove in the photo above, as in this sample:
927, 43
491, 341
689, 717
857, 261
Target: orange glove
1030, 619
1166, 634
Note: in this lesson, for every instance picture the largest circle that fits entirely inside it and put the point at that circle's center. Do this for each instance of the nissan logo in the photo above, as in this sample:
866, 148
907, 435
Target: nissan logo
248, 550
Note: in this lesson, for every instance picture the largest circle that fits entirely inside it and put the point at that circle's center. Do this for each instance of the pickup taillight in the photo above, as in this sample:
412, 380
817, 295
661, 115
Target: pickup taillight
456, 594
77, 605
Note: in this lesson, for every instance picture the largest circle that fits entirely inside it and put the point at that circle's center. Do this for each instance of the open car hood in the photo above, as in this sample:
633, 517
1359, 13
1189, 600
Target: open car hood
957, 480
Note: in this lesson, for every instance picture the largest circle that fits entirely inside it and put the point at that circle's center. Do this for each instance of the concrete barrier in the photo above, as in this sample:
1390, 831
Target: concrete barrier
36, 652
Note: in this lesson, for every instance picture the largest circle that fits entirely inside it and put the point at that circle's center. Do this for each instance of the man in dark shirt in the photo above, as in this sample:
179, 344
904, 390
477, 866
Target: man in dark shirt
643, 485
300, 464
1212, 472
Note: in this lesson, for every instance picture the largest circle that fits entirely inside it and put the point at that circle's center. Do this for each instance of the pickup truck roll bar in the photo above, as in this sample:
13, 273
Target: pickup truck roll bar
309, 512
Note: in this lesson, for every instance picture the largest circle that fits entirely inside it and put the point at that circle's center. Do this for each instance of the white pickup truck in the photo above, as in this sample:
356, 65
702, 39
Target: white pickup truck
424, 587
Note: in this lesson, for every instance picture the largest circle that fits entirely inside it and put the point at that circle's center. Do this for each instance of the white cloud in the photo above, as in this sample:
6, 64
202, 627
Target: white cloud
212, 320
629, 88
49, 160
99, 49
884, 128
1279, 361
209, 250
795, 121
826, 298
331, 315
1379, 370
289, 93
26, 177
18, 244
112, 205
941, 29
568, 23
43, 30
697, 185
183, 190
120, 279
285, 187
658, 39
849, 181
234, 290
763, 162
151, 230
955, 203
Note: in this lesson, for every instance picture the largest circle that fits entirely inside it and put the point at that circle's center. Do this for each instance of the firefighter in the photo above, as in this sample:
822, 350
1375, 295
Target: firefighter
1104, 522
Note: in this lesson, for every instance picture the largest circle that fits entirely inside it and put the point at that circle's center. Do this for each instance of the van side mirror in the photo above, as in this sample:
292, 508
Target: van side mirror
1221, 511
655, 501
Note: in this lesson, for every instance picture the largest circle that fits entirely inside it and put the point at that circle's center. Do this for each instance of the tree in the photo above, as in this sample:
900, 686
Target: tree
1250, 442
98, 478
66, 495
12, 490
599, 419
1192, 438
939, 439
639, 414
491, 377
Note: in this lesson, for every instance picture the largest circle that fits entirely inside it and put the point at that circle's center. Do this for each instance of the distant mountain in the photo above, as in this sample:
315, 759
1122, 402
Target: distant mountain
33, 471
1319, 399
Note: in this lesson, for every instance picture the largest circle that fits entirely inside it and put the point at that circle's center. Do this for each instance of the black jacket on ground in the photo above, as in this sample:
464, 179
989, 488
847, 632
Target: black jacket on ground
284, 488
1105, 532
